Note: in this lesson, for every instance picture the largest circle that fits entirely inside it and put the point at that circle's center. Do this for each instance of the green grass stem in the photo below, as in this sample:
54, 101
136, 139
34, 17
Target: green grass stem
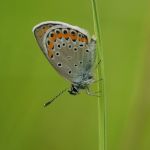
101, 85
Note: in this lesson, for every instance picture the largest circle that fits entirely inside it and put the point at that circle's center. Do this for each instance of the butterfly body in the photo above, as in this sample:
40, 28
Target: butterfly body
70, 50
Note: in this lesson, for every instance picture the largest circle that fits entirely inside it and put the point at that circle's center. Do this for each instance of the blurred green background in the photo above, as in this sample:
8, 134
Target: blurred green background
27, 80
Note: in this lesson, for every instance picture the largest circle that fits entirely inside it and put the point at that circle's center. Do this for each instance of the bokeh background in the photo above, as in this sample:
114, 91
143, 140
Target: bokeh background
27, 80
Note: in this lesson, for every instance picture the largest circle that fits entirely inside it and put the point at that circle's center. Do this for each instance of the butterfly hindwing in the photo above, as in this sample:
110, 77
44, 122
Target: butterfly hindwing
68, 48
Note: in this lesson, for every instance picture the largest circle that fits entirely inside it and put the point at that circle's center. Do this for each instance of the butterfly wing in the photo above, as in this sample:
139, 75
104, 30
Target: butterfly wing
40, 30
68, 48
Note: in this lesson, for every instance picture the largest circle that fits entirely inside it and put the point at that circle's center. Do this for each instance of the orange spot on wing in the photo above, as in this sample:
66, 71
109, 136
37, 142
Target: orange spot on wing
51, 45
60, 35
50, 53
65, 35
53, 38
73, 37
83, 39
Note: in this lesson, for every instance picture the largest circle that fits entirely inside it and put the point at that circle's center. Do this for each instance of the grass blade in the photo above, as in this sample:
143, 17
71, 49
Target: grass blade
100, 72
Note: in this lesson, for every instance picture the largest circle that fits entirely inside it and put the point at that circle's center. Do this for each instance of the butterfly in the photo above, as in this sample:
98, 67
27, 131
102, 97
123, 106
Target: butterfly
70, 50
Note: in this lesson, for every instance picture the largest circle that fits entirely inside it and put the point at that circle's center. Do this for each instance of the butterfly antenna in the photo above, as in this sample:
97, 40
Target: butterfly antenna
52, 100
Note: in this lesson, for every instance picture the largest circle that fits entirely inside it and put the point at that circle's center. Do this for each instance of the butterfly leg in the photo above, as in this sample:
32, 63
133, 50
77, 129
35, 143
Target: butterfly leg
98, 63
99, 80
97, 93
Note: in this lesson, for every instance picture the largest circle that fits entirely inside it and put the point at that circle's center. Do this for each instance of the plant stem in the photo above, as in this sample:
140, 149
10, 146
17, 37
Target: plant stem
100, 71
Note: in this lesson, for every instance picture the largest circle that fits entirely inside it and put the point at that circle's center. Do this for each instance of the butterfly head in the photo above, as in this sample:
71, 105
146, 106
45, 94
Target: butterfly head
74, 90
76, 87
